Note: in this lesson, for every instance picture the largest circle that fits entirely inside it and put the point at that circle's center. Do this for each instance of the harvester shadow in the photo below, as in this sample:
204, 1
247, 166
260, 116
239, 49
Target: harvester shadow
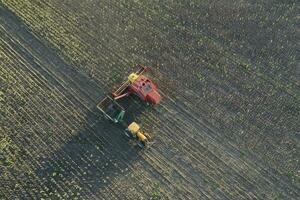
90, 160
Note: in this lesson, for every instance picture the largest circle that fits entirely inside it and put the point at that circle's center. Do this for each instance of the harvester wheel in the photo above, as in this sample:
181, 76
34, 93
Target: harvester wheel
141, 144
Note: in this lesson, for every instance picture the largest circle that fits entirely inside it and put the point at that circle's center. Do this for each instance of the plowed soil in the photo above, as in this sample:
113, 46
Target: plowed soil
227, 126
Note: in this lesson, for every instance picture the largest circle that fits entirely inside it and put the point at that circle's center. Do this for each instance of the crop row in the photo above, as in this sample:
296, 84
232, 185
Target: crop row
208, 96
34, 112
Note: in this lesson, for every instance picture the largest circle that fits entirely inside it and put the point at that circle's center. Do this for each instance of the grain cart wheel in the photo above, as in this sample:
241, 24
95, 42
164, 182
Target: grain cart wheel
141, 144
128, 134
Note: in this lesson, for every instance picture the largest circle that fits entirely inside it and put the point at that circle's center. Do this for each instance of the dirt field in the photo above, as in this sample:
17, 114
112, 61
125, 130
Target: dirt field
227, 126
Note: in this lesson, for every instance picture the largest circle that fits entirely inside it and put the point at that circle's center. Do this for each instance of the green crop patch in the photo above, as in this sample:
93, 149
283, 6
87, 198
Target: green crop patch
8, 152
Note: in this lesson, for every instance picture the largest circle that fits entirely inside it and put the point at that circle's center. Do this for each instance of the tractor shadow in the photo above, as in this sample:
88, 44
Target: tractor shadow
92, 157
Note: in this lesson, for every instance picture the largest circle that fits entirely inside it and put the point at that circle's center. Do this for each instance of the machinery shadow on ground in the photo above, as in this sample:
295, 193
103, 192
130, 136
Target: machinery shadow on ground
90, 160
91, 157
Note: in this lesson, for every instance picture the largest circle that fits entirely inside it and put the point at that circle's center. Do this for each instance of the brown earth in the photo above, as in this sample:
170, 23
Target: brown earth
228, 124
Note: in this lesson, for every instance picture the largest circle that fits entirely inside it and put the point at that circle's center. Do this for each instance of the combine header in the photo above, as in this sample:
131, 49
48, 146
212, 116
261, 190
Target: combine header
136, 84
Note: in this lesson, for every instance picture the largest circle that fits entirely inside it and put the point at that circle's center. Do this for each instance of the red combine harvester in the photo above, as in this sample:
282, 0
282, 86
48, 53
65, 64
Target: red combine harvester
139, 85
